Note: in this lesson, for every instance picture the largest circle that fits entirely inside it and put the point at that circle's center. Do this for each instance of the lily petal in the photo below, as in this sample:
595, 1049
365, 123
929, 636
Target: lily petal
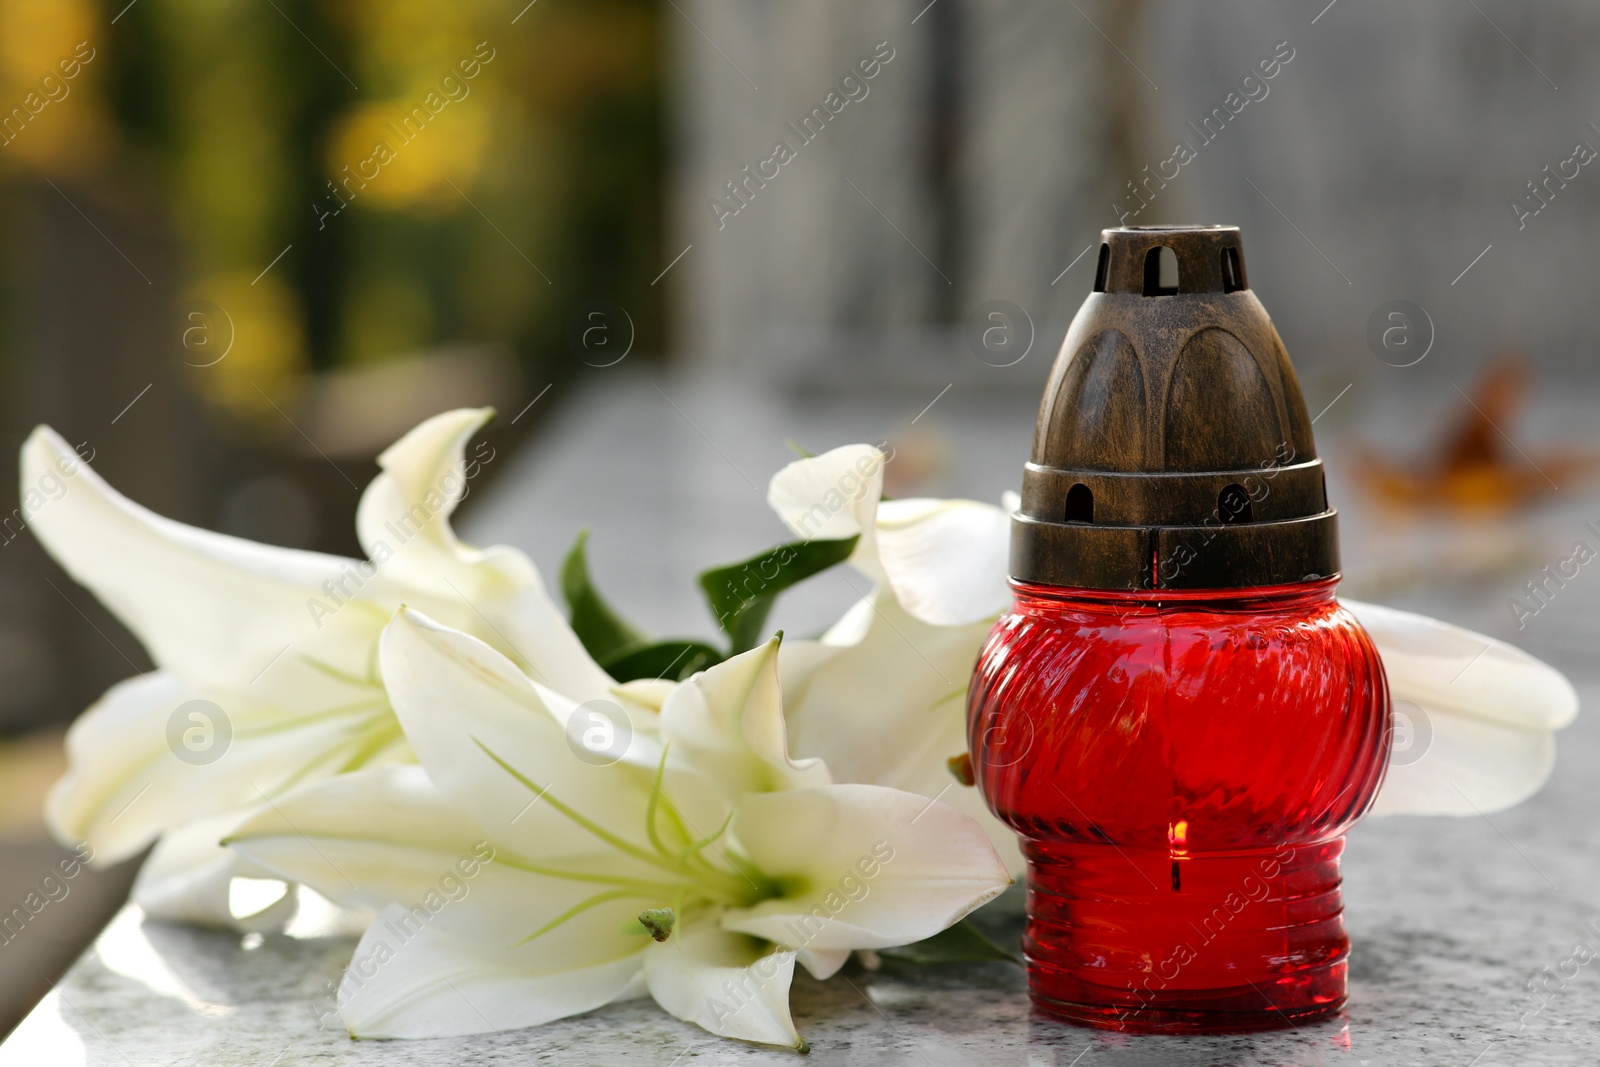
947, 560
866, 867
733, 985
432, 984
823, 963
648, 693
364, 839
834, 495
214, 609
496, 751
386, 835
189, 878
404, 522
1485, 711
729, 721
124, 784
114, 751
406, 509
1471, 766
1457, 671
889, 708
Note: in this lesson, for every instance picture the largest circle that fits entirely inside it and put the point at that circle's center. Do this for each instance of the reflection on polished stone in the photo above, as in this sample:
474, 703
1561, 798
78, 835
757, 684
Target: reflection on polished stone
45, 1037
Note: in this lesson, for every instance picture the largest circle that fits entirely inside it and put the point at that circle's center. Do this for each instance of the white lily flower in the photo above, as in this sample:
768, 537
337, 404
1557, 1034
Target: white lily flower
882, 696
521, 882
277, 645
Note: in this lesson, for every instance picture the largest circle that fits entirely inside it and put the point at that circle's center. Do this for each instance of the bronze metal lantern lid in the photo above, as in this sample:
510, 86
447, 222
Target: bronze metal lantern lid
1173, 449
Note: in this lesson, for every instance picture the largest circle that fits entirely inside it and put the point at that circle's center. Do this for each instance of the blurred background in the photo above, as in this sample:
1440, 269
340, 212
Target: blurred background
244, 244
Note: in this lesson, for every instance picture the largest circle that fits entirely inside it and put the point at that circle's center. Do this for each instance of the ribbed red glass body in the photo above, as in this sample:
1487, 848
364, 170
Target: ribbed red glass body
1181, 768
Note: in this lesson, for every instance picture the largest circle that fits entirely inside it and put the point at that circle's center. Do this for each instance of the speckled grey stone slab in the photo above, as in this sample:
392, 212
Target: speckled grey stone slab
1451, 920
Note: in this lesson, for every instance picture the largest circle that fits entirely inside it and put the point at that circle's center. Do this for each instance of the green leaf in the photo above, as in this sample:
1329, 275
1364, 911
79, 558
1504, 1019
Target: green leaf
603, 632
961, 943
798, 449
672, 660
741, 594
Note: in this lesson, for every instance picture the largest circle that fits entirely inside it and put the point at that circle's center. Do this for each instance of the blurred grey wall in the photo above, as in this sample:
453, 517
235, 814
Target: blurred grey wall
1380, 161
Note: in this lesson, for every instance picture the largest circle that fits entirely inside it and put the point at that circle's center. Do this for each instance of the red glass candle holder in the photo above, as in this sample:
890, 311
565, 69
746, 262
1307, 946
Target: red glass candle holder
1176, 717
1181, 768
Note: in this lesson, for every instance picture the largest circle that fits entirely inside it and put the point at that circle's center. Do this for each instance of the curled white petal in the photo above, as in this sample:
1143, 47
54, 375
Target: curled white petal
404, 522
948, 561
831, 496
730, 984
405, 511
729, 721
